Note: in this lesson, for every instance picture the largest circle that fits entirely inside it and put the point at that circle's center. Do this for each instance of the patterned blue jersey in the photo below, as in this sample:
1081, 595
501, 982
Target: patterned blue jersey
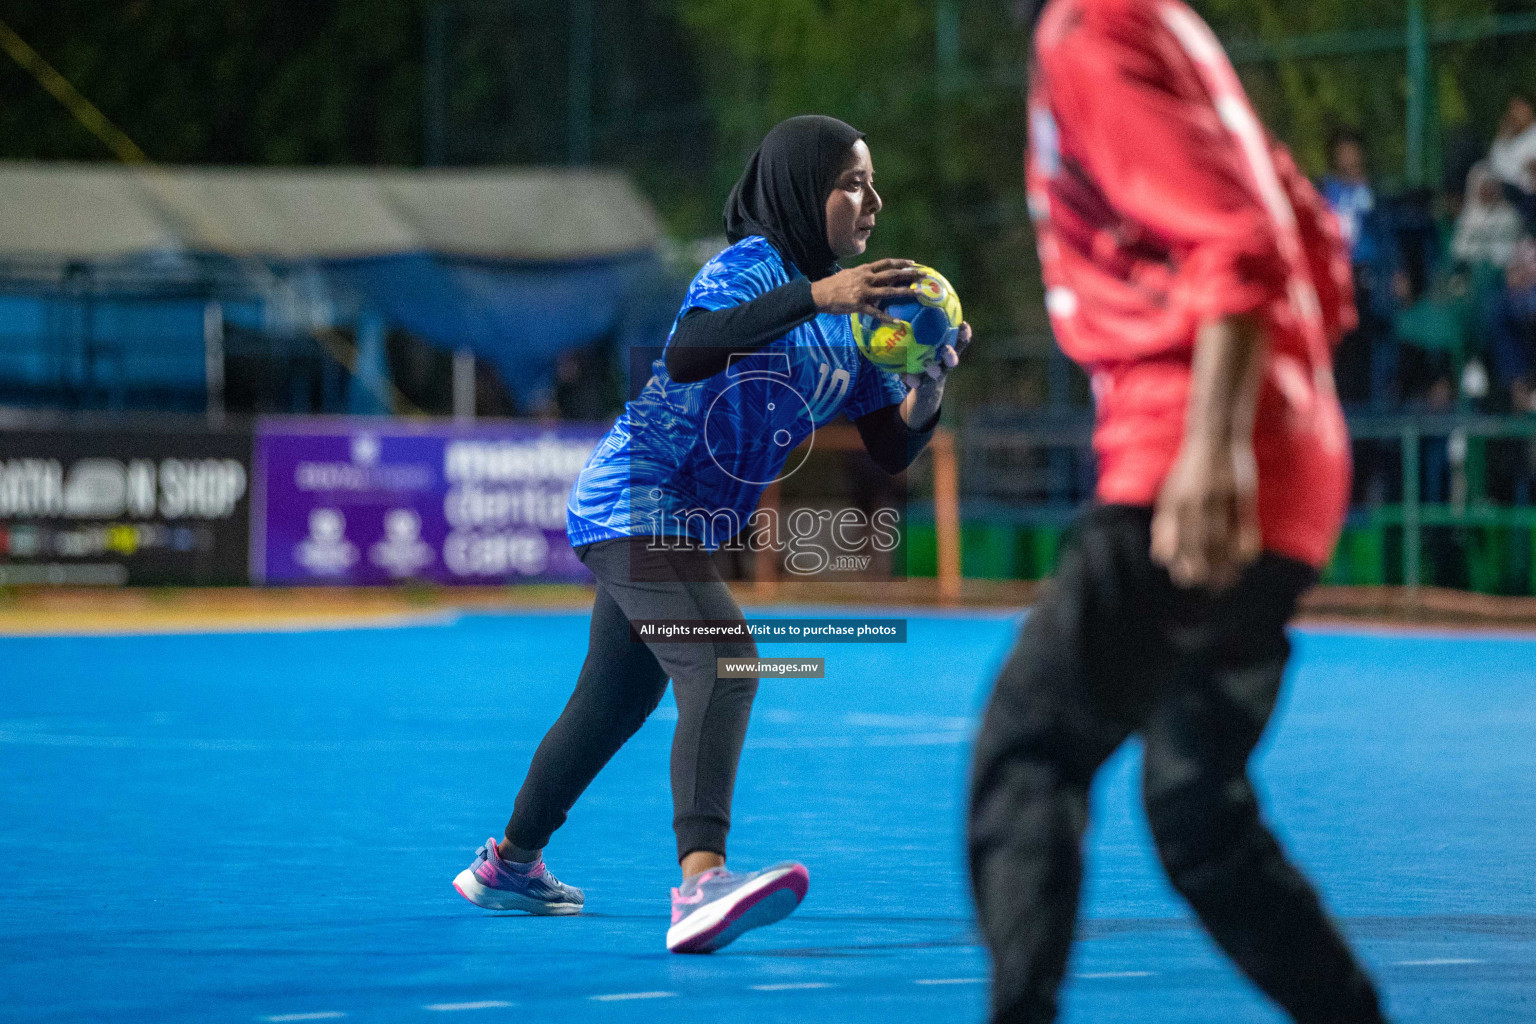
693, 459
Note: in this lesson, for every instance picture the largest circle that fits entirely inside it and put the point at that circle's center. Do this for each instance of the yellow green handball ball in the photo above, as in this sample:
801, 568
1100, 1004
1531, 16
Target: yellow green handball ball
926, 322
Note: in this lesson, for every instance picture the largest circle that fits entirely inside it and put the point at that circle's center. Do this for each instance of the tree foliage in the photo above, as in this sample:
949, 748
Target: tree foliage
1304, 100
683, 89
223, 81
947, 142
947, 148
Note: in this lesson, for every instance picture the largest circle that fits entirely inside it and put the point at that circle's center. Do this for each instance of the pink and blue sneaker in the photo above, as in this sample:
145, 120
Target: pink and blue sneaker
714, 907
495, 884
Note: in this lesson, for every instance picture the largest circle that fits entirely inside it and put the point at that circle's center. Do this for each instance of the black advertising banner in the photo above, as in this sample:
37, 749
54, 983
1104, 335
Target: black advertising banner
138, 506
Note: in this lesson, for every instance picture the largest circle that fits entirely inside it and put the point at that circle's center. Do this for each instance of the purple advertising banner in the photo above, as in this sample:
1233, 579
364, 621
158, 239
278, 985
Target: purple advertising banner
373, 502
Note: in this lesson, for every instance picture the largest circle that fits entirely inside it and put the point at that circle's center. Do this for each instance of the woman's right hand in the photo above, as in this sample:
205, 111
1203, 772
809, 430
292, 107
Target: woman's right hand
862, 289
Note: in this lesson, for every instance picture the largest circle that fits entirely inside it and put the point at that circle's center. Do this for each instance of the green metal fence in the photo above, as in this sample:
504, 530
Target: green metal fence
1493, 536
1417, 38
1025, 478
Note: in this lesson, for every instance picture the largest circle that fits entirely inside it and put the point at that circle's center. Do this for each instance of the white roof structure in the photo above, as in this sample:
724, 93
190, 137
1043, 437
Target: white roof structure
103, 211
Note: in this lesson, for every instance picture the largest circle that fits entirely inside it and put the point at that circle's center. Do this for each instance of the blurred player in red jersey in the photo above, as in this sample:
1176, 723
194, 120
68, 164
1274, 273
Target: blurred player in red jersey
1197, 277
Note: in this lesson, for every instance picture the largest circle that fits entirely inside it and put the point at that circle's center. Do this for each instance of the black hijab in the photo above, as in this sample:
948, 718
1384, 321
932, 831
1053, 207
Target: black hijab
782, 195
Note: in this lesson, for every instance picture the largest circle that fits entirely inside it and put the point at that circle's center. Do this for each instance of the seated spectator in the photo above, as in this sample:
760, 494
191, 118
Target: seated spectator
1513, 154
1511, 343
1432, 332
1488, 227
1431, 329
1512, 330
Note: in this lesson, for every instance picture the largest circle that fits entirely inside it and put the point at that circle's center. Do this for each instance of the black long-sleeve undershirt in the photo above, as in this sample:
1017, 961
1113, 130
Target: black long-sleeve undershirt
890, 442
706, 339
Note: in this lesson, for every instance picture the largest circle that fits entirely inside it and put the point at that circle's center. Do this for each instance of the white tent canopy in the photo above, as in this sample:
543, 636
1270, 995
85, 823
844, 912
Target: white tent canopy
102, 211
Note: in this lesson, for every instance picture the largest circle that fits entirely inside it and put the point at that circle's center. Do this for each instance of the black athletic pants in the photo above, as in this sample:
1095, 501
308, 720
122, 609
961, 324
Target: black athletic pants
623, 680
1114, 648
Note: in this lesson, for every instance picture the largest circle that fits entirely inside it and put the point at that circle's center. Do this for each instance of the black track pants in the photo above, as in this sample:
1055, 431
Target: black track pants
621, 683
1114, 648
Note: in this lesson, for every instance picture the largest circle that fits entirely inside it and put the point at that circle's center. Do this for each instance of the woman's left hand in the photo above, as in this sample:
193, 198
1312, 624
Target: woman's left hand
926, 390
948, 359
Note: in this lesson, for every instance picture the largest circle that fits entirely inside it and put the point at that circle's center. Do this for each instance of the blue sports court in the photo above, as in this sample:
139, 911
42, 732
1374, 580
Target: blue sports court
263, 827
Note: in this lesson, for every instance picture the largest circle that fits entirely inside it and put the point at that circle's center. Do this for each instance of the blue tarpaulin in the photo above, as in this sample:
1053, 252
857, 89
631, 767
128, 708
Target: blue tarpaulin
518, 317
112, 268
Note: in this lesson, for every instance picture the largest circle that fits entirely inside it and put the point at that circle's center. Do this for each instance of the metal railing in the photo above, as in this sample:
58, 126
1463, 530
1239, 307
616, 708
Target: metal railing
1463, 508
1034, 470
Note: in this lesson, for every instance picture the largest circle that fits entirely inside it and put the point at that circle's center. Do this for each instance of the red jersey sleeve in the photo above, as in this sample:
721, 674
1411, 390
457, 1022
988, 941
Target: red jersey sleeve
1146, 129
1327, 253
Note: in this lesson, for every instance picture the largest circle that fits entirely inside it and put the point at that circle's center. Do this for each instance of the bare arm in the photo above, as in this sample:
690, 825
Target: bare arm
1205, 527
920, 409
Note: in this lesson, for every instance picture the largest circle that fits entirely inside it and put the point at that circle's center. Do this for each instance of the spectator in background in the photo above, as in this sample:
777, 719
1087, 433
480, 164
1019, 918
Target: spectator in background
1347, 186
1512, 155
1512, 333
1488, 227
1511, 344
1363, 365
1487, 232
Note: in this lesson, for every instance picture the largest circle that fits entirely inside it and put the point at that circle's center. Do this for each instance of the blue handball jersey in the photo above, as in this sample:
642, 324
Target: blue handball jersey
693, 459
